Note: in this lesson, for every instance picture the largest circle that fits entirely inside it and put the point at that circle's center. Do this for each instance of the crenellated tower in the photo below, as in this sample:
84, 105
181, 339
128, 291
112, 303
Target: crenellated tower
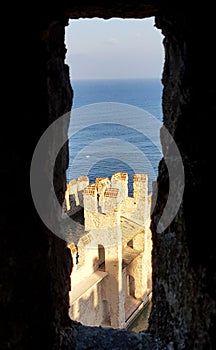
117, 243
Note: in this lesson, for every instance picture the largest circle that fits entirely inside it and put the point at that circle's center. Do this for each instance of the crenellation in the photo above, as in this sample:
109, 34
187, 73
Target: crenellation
90, 190
90, 201
140, 193
102, 184
71, 197
72, 186
82, 182
140, 177
140, 186
74, 194
111, 200
112, 192
120, 246
120, 175
120, 180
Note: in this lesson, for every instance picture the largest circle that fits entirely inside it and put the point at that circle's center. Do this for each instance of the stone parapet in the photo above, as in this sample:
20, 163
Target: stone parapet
111, 200
90, 199
120, 180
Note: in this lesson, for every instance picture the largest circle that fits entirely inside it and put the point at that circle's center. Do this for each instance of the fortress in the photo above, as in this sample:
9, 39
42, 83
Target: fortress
111, 277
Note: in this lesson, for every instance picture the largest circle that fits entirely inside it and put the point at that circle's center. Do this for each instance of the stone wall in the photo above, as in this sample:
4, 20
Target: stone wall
74, 194
184, 254
35, 264
135, 270
90, 307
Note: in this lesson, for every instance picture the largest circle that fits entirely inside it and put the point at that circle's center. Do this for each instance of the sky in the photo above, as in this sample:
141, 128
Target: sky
114, 49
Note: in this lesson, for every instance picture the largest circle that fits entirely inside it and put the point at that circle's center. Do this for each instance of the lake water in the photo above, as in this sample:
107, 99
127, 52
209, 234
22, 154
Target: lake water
115, 126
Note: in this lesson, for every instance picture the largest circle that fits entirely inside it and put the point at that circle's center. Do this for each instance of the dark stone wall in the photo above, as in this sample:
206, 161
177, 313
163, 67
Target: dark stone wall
184, 254
35, 264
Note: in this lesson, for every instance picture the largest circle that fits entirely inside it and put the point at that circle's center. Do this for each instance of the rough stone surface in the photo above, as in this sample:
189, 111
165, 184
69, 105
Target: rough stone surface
35, 265
184, 305
104, 339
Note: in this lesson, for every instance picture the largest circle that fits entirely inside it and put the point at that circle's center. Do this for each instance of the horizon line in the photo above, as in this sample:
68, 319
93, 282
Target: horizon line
135, 78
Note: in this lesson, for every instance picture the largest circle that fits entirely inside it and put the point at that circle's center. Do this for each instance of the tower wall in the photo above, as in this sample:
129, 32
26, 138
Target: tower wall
102, 184
82, 183
73, 194
140, 186
135, 269
120, 180
114, 286
111, 200
90, 207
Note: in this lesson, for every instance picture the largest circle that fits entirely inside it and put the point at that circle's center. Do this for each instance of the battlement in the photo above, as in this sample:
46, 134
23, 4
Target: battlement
82, 182
102, 183
90, 190
111, 193
120, 175
140, 178
140, 186
120, 180
107, 196
90, 200
117, 228
83, 178
104, 198
74, 194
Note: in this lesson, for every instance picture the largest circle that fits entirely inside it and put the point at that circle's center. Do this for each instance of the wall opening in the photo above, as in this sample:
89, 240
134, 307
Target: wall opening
101, 257
131, 286
130, 243
107, 72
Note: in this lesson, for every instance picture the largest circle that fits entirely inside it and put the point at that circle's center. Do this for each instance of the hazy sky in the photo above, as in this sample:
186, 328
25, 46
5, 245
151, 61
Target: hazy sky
114, 48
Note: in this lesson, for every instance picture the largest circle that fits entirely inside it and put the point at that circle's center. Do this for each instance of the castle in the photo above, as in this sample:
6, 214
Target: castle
111, 277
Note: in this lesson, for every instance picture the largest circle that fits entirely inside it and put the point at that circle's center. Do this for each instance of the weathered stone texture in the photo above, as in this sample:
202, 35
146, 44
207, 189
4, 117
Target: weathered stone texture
35, 265
184, 306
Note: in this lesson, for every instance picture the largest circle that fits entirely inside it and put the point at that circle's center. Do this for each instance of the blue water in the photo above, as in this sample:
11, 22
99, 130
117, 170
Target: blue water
115, 126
